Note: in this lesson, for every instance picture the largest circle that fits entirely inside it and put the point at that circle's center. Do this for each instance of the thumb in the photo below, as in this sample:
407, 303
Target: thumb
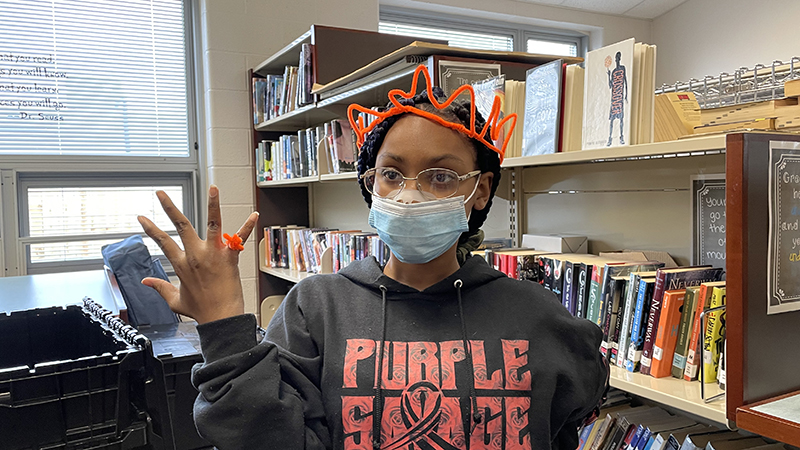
165, 289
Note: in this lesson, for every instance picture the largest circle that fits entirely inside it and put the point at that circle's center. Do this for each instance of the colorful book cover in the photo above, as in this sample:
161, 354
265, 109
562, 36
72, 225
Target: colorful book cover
696, 342
644, 298
712, 339
584, 285
667, 335
593, 303
570, 286
631, 294
671, 279
607, 96
687, 319
543, 92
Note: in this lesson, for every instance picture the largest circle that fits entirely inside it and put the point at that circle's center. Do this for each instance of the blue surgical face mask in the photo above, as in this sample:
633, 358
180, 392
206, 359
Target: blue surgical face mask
418, 233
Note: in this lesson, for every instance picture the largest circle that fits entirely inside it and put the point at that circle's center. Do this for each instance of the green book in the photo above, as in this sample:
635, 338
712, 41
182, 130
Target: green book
685, 331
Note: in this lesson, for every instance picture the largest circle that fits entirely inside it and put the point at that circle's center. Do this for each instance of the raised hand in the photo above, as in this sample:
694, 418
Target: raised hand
210, 286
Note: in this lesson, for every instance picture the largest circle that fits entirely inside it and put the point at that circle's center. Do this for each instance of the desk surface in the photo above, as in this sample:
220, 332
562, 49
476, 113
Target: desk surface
55, 289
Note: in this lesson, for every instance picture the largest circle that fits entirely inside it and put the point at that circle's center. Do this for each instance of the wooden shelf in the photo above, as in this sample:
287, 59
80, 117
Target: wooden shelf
697, 146
784, 427
338, 176
669, 391
289, 182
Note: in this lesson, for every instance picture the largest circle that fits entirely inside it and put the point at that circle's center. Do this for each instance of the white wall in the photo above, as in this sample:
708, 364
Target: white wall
706, 37
237, 35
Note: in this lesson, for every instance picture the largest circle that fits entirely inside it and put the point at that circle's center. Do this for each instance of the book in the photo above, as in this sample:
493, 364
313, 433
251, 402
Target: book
543, 94
644, 298
695, 342
686, 322
612, 291
344, 146
627, 315
667, 335
515, 104
602, 433
712, 338
676, 115
618, 96
584, 434
260, 87
572, 130
454, 74
595, 303
670, 279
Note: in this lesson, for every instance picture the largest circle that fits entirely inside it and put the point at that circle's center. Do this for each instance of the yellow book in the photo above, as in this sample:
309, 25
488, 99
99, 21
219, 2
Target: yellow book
712, 338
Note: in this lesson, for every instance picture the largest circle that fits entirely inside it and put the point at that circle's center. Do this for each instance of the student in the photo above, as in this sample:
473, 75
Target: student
471, 358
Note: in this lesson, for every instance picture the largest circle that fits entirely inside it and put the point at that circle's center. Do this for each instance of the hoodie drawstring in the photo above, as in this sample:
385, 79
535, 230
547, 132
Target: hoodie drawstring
377, 403
476, 415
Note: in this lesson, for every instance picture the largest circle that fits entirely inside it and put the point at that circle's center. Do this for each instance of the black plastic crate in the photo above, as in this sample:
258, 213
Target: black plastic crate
177, 346
75, 377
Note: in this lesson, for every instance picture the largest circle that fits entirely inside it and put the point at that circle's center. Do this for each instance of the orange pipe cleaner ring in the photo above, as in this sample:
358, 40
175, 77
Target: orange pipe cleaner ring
233, 242
361, 129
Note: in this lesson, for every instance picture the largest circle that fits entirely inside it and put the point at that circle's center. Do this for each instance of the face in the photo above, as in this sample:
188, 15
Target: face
414, 144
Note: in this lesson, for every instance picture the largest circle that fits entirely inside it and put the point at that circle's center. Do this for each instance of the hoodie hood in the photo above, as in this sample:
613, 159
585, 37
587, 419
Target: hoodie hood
367, 273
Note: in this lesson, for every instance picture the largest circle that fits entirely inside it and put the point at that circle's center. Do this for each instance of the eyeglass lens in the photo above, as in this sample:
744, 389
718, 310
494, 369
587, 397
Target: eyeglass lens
388, 182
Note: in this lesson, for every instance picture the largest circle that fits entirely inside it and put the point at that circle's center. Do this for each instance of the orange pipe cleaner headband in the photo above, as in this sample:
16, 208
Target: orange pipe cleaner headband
492, 121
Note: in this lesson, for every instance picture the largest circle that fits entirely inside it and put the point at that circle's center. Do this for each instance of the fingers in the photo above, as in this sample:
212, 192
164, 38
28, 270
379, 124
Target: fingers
164, 241
248, 226
166, 290
182, 225
214, 217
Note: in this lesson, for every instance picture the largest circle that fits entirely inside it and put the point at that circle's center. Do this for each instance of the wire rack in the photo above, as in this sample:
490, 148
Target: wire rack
745, 85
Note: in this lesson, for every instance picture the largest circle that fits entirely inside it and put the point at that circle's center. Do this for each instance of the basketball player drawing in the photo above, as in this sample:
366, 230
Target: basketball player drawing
618, 83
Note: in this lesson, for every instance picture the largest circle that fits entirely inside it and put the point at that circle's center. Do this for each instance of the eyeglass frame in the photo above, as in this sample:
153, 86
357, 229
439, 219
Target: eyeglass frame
460, 178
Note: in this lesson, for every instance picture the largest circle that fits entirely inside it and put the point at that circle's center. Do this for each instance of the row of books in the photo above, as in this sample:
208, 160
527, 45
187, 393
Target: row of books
295, 156
649, 314
275, 95
303, 249
624, 425
291, 156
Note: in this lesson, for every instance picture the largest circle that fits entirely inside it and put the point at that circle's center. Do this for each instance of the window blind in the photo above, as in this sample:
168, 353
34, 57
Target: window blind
543, 47
455, 38
83, 77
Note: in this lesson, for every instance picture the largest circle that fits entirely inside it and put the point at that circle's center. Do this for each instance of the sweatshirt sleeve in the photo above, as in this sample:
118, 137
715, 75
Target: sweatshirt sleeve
258, 394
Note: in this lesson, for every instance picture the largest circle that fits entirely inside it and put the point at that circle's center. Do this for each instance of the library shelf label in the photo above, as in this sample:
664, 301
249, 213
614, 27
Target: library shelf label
783, 256
708, 219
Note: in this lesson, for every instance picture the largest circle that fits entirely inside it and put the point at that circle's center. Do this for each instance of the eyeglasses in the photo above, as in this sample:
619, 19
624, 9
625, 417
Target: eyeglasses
434, 183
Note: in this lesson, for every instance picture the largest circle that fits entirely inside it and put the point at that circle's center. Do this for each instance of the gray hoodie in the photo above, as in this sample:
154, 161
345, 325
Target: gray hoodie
531, 376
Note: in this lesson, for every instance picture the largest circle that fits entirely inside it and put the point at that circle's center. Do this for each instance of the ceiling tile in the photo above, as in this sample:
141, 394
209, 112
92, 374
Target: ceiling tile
606, 6
650, 9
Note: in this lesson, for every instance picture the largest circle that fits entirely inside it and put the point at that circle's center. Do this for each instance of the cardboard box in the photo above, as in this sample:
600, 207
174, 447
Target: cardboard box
560, 243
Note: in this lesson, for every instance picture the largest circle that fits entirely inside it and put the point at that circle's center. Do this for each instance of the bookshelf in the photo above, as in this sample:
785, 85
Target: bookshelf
672, 392
634, 197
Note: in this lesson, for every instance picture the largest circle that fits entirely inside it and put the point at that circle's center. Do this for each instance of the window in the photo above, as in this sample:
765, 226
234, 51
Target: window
91, 78
455, 38
480, 34
89, 89
69, 219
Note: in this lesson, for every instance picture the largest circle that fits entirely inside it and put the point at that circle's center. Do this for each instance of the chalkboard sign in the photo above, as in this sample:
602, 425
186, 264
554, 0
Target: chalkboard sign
783, 254
708, 217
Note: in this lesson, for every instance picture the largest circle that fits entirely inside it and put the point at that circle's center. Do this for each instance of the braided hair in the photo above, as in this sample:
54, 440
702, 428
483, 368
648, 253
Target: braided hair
488, 160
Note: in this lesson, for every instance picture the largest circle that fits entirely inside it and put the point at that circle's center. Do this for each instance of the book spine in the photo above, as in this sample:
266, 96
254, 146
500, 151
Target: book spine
627, 317
637, 328
667, 334
569, 301
652, 323
558, 279
584, 279
712, 339
679, 358
593, 304
692, 359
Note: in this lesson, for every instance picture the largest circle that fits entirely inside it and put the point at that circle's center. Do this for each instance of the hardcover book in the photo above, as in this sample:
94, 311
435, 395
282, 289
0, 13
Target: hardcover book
543, 94
687, 320
667, 335
607, 98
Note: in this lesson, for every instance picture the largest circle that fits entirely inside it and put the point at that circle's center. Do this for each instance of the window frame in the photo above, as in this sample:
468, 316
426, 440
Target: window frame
121, 179
519, 32
15, 169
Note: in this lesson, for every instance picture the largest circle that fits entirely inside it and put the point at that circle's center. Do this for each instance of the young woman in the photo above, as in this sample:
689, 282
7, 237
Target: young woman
435, 350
